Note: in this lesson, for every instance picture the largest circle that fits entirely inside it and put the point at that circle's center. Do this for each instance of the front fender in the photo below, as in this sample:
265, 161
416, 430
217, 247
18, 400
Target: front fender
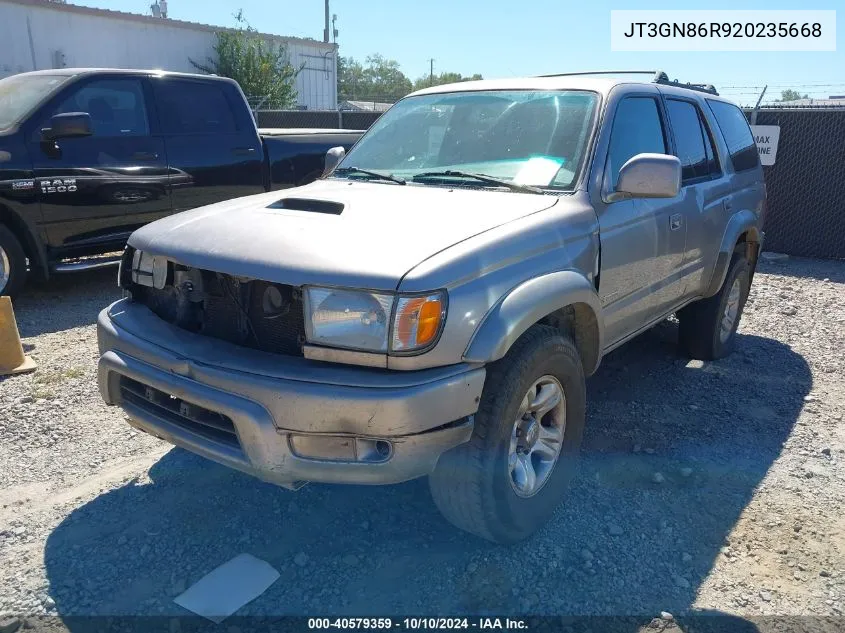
527, 304
744, 221
24, 227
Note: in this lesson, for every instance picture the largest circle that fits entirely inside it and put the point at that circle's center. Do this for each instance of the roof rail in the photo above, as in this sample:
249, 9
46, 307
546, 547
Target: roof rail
605, 72
657, 77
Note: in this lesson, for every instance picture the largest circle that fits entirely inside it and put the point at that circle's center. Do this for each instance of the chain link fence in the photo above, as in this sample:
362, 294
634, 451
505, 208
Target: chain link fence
806, 185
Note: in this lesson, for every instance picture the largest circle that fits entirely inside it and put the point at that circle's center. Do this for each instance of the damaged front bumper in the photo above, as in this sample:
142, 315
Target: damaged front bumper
284, 419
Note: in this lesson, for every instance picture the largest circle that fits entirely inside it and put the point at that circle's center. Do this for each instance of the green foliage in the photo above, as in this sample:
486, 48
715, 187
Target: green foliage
262, 69
380, 80
443, 78
791, 95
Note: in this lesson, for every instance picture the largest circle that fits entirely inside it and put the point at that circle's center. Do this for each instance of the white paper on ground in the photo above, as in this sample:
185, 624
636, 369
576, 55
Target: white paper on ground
221, 592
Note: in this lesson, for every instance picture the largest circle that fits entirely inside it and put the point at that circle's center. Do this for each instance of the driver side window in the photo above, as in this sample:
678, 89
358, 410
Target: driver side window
637, 128
116, 107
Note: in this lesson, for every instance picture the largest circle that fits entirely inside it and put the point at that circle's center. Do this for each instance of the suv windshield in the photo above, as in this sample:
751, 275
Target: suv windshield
525, 137
20, 93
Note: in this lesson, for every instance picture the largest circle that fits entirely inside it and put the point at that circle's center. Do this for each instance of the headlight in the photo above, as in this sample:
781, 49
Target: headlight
361, 320
144, 269
347, 318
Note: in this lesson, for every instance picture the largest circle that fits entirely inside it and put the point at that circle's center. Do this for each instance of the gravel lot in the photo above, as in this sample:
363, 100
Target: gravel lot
703, 488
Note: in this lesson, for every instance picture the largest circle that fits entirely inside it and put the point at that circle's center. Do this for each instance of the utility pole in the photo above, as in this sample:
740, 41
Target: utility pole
326, 30
431, 73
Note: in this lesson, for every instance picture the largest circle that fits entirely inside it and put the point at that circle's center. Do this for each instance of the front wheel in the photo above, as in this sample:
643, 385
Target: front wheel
506, 482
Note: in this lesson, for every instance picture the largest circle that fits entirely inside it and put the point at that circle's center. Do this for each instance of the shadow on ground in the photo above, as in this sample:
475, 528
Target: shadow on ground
65, 301
366, 550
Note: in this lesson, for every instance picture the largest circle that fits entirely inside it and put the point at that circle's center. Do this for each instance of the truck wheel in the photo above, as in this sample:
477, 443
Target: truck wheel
12, 263
506, 482
708, 327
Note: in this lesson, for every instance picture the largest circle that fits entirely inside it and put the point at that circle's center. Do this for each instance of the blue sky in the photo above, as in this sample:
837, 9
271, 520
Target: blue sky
500, 38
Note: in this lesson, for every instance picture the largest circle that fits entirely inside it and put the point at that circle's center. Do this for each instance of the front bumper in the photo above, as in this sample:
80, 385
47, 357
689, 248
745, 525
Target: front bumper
285, 420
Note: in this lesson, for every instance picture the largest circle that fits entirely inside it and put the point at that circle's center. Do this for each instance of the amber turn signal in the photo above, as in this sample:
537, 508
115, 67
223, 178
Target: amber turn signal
417, 322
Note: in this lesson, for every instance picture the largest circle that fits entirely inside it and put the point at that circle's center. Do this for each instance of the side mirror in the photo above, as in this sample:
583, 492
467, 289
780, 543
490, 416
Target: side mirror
68, 125
333, 158
650, 176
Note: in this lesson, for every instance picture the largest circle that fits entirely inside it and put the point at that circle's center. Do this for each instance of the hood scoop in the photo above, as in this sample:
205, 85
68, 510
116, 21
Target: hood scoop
309, 205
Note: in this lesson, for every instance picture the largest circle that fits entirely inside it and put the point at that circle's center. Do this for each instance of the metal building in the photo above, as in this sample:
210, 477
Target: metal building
40, 34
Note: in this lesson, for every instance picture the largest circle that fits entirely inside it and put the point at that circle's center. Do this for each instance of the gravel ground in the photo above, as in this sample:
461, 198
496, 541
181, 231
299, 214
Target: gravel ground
703, 488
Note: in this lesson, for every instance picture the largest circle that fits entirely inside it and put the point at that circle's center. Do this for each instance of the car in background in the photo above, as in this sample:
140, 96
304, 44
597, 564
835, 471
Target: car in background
89, 155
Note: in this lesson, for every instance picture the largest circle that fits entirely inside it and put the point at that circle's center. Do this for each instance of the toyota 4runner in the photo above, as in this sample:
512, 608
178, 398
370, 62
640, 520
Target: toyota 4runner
432, 305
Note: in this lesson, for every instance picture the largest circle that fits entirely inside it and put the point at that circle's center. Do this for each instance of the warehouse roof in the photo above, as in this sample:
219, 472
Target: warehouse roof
148, 19
833, 101
364, 106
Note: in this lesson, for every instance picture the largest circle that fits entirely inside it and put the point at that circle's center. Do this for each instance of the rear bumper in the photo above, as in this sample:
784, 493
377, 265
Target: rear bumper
285, 420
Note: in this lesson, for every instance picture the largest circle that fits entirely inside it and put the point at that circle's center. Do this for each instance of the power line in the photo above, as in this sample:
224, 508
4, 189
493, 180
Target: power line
789, 86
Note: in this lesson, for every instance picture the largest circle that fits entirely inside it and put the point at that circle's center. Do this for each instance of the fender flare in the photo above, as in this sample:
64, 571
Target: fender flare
29, 238
528, 303
744, 221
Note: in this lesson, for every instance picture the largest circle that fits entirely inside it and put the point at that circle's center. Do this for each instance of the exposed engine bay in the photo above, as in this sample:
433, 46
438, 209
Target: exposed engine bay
248, 312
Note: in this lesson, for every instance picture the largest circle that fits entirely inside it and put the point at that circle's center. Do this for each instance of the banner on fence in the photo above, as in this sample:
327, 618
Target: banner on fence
766, 137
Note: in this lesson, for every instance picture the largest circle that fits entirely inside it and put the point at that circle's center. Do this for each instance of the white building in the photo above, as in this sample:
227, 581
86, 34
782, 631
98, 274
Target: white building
39, 34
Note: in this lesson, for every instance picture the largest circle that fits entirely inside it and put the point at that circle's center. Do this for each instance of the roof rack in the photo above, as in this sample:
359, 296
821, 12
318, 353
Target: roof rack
657, 77
662, 78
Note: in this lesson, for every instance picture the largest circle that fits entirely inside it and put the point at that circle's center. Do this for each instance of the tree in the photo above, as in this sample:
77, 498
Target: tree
380, 80
443, 78
386, 82
262, 69
791, 95
350, 79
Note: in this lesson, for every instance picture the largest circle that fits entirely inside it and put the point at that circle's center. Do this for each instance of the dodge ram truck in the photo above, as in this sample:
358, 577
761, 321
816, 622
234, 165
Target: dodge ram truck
432, 305
87, 156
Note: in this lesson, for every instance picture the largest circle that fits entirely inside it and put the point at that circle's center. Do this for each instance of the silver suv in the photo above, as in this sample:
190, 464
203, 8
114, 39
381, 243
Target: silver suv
432, 305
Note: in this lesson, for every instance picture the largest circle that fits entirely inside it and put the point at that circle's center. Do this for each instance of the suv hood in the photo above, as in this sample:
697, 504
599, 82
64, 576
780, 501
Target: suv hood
382, 231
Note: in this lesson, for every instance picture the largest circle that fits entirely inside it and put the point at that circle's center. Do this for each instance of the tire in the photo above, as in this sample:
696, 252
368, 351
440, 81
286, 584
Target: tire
12, 263
701, 334
473, 484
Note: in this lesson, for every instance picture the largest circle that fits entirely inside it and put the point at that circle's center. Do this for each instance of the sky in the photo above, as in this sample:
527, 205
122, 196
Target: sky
502, 38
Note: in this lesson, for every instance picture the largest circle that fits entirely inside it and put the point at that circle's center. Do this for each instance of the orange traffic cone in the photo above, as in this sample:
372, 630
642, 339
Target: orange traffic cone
12, 359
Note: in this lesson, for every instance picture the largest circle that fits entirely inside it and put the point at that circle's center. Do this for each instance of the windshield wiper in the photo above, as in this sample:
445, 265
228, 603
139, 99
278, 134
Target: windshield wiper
490, 180
372, 174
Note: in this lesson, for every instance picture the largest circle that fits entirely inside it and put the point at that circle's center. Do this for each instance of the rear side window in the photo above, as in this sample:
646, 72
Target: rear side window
737, 135
193, 107
692, 141
637, 129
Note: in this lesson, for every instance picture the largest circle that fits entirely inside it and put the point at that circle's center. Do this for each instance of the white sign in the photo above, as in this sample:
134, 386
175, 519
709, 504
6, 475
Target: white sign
722, 30
766, 137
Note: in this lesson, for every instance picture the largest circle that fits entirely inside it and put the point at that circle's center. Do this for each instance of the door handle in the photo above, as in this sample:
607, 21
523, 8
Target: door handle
675, 221
727, 204
144, 156
243, 151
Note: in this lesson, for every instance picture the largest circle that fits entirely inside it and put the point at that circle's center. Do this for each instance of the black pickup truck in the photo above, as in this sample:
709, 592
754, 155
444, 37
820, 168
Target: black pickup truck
87, 156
